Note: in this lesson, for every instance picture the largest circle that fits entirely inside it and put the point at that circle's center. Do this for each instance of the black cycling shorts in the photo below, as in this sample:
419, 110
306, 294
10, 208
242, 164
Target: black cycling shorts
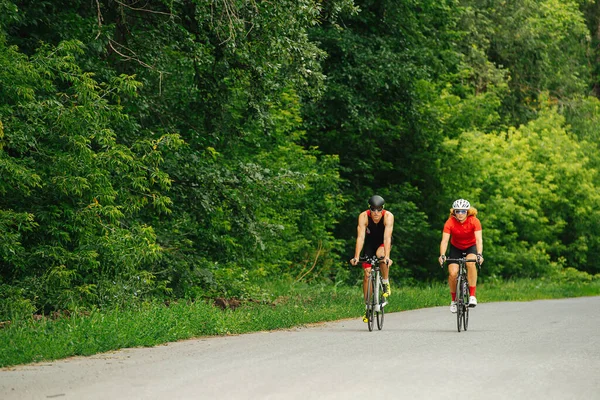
370, 251
455, 252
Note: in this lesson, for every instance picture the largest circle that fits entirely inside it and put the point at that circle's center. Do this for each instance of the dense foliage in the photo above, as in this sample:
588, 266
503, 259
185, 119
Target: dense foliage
193, 148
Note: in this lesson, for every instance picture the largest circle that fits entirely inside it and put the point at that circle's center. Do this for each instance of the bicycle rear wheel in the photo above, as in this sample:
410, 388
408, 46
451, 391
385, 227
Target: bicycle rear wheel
380, 313
370, 303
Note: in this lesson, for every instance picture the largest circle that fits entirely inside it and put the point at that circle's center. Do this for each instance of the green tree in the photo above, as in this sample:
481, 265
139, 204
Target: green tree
543, 44
221, 74
535, 192
71, 192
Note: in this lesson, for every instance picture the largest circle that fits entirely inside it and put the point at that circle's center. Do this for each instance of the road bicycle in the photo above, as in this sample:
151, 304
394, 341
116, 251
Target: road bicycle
462, 291
374, 301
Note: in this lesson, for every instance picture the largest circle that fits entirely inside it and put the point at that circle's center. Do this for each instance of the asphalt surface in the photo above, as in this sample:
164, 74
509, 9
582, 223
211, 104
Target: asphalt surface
516, 350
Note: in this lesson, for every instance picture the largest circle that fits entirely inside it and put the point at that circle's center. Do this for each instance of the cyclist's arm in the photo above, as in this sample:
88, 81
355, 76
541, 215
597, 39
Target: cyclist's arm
387, 235
360, 234
479, 242
444, 243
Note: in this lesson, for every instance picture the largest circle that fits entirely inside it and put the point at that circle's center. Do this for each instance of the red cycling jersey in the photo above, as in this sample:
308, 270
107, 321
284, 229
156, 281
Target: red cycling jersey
462, 235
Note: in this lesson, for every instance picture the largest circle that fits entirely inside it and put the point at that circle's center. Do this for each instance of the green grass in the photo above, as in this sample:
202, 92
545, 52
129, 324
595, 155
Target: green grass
288, 306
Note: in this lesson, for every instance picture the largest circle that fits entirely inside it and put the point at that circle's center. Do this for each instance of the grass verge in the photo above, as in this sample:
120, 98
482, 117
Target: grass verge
288, 306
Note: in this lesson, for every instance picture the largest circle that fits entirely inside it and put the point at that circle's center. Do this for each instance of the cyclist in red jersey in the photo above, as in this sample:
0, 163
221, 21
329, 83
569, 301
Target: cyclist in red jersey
374, 233
463, 230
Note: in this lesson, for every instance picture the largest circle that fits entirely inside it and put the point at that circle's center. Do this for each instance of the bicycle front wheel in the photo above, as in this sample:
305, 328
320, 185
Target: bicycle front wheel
370, 303
460, 309
380, 313
465, 297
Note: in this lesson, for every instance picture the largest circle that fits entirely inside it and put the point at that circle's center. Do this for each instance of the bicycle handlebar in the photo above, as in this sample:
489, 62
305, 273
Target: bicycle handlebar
371, 260
463, 259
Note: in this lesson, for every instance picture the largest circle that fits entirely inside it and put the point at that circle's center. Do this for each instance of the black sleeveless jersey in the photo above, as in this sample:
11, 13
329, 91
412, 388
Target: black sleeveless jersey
374, 233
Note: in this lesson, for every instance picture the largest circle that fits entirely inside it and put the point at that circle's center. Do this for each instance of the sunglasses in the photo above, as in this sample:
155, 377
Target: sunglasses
460, 211
376, 209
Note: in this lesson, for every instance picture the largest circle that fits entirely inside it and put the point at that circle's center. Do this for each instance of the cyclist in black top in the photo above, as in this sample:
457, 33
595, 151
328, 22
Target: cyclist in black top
374, 235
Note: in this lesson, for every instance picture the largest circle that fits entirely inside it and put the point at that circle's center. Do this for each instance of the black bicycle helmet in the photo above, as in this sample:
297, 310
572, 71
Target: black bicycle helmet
376, 201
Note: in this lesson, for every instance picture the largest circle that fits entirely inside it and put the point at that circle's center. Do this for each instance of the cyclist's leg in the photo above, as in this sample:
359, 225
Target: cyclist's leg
472, 270
385, 270
472, 273
366, 278
366, 274
453, 269
452, 275
452, 280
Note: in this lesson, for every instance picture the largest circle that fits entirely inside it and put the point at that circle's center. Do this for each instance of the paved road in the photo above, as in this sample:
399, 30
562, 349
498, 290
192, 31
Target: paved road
531, 350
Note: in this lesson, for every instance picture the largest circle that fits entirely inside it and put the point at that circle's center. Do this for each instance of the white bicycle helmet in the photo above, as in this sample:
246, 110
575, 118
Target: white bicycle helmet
461, 204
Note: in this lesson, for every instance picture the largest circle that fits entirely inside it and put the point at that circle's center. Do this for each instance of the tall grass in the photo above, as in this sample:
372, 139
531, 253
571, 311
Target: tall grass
286, 306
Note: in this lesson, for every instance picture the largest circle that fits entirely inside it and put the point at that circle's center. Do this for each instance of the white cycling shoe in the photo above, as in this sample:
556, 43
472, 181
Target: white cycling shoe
472, 301
453, 307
